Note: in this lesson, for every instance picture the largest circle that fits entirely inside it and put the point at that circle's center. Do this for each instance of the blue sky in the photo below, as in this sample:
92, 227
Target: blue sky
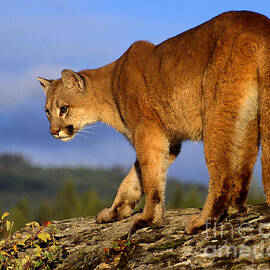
40, 38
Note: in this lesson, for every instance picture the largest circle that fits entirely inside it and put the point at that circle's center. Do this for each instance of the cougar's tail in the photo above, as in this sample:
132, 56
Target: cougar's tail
264, 118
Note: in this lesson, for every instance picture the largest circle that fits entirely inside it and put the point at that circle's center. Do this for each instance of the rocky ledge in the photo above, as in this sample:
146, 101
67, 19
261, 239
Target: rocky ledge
238, 242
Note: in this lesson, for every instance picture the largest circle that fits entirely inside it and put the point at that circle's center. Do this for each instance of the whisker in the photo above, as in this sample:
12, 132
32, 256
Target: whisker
92, 125
89, 127
80, 135
86, 131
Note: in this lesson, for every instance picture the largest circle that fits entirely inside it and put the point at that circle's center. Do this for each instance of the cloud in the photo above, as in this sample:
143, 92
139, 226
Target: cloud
41, 45
84, 39
20, 87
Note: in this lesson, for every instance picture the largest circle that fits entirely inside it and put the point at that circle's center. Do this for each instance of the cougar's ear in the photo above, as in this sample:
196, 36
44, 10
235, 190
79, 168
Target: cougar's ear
45, 84
72, 79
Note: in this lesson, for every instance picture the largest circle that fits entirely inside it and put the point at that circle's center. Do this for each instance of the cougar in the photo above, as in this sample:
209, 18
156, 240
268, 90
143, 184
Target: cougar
210, 83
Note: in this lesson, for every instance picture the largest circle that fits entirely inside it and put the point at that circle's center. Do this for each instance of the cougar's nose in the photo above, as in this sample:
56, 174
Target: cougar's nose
55, 131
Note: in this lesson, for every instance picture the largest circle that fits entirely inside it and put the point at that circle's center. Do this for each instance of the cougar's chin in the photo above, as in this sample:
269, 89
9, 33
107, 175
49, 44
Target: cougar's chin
66, 139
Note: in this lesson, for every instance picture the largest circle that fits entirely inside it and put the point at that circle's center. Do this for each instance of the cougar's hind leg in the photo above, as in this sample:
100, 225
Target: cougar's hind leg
230, 151
230, 121
248, 154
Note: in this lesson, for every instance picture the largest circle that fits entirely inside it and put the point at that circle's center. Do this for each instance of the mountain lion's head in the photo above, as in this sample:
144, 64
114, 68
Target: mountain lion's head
67, 105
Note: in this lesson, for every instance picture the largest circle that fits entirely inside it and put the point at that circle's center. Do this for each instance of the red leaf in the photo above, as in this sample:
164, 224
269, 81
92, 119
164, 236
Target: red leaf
46, 223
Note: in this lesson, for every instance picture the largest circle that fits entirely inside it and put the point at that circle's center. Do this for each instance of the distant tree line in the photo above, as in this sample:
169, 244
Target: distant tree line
31, 192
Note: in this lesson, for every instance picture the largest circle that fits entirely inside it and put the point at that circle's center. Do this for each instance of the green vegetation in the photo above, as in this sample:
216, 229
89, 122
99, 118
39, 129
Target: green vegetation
31, 192
46, 249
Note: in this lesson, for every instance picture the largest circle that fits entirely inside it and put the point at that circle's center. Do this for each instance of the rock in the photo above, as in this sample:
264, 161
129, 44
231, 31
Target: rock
238, 242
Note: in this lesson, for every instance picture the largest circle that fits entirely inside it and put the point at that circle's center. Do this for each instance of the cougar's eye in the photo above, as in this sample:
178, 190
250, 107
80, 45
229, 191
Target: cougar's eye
64, 109
47, 111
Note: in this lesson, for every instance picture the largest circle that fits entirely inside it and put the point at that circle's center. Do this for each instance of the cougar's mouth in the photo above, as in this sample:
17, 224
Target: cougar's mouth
67, 133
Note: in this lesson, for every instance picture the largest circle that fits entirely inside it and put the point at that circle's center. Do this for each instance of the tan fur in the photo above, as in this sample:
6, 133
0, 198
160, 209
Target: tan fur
211, 83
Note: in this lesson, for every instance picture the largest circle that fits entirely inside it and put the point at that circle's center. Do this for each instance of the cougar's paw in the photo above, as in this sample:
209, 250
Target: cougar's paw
105, 215
195, 223
233, 209
141, 221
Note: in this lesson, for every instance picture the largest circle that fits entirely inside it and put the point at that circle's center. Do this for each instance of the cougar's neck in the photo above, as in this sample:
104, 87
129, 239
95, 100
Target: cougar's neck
100, 96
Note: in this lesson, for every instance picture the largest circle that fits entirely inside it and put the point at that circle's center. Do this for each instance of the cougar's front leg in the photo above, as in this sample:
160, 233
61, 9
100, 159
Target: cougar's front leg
127, 197
152, 150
